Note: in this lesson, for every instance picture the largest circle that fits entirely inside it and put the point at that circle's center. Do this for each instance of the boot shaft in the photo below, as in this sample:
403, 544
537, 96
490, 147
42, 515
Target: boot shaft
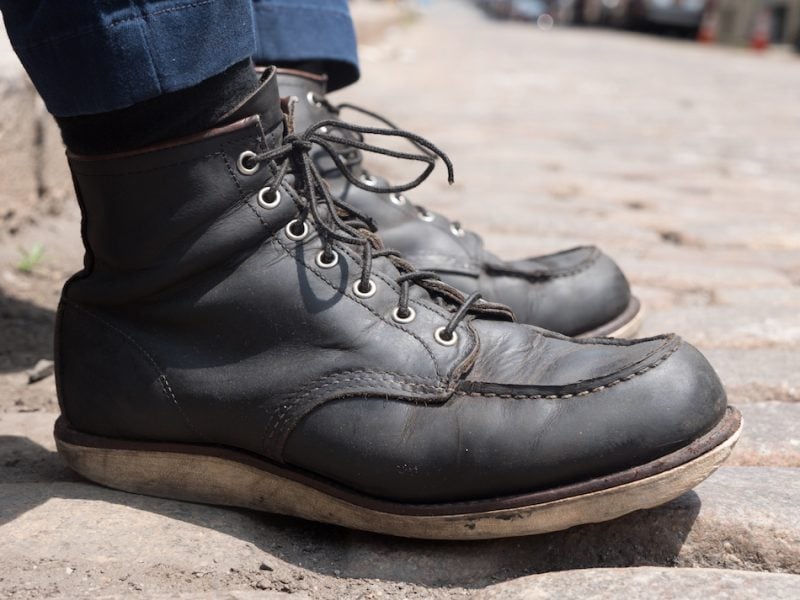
148, 209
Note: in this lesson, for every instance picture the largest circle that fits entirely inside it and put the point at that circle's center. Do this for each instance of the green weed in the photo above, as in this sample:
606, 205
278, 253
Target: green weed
30, 258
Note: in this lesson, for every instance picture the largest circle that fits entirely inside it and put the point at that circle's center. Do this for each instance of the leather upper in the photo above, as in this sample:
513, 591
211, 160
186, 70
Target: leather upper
197, 319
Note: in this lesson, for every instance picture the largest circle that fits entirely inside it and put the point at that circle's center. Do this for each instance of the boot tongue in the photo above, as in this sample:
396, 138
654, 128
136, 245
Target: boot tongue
294, 82
264, 101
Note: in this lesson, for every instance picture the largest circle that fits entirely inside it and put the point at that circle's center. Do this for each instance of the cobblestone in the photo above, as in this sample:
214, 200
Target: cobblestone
772, 438
647, 584
758, 374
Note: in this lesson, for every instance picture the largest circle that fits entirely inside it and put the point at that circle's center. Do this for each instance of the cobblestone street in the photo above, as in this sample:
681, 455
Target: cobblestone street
677, 159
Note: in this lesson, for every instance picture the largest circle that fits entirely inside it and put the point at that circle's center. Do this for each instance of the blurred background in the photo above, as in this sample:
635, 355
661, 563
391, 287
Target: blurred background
757, 23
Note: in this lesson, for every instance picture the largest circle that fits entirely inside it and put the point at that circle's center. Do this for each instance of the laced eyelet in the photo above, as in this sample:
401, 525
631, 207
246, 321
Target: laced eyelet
398, 199
427, 217
323, 264
367, 179
247, 155
412, 314
265, 193
311, 97
457, 230
451, 341
369, 293
296, 236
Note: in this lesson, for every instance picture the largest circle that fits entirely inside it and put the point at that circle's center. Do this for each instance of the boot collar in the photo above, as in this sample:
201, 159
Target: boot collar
263, 105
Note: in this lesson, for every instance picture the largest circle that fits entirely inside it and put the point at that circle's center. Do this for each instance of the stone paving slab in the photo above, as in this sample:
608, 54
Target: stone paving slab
217, 595
758, 374
648, 583
730, 327
771, 436
680, 274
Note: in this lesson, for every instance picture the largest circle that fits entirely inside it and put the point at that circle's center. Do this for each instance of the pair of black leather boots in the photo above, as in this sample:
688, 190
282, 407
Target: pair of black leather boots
263, 323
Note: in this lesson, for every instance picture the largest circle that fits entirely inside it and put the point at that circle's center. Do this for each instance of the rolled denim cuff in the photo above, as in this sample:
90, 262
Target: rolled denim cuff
87, 60
305, 30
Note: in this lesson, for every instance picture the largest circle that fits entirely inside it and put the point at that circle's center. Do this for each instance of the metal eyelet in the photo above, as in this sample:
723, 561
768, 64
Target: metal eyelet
323, 264
262, 197
312, 99
323, 129
398, 199
412, 314
427, 217
445, 342
294, 236
369, 293
367, 179
457, 230
247, 155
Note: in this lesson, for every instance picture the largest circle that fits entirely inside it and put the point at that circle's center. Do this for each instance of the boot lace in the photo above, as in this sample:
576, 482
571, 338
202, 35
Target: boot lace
336, 221
354, 159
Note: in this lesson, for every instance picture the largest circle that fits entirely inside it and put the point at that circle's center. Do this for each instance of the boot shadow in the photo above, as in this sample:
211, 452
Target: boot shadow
652, 537
26, 334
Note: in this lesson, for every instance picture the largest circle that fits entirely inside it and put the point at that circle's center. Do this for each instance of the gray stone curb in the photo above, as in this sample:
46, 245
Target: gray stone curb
648, 583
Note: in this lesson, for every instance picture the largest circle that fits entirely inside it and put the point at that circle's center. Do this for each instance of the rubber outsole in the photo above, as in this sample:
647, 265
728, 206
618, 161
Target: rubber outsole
212, 475
626, 325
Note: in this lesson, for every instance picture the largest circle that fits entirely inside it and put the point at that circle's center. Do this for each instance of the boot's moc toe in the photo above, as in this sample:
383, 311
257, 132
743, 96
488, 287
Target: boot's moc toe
238, 336
578, 292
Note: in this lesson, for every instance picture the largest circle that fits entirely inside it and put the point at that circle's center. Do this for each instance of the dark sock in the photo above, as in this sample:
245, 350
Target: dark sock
165, 117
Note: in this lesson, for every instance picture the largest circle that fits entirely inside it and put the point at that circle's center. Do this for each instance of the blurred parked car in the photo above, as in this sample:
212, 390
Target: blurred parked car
499, 9
529, 10
520, 10
686, 14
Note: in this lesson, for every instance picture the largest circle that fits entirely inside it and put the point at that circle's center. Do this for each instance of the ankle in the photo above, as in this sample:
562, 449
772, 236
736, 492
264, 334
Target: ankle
168, 116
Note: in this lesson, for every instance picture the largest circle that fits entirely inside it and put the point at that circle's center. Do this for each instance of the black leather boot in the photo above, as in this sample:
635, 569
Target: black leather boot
237, 338
578, 292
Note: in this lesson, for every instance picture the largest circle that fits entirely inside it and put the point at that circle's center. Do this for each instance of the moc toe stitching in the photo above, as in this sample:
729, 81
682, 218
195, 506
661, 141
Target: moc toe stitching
576, 394
579, 299
545, 275
535, 341
584, 265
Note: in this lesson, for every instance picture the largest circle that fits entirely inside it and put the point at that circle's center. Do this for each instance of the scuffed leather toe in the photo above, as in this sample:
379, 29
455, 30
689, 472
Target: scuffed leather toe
583, 289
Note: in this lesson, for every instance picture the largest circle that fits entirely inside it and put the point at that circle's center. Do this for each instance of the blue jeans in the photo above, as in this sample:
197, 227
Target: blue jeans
93, 56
